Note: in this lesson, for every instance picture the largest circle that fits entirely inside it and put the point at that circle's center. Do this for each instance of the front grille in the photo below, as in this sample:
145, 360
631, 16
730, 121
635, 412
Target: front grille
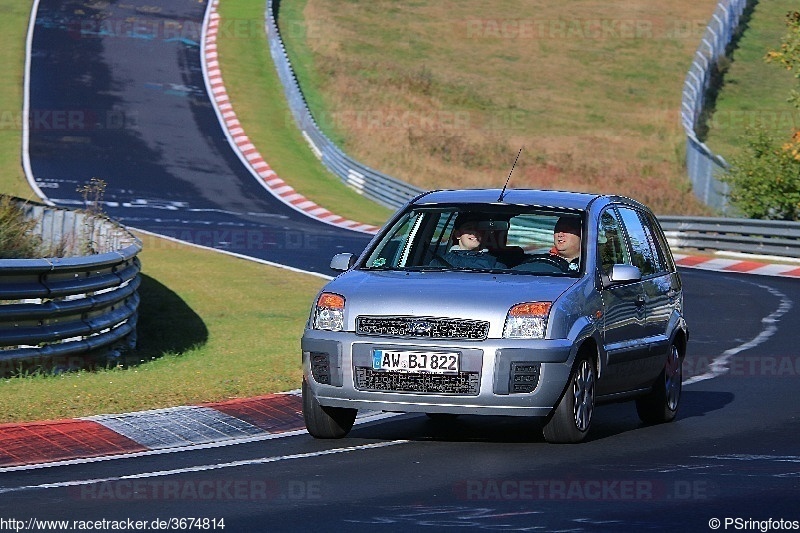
461, 383
321, 368
431, 328
524, 376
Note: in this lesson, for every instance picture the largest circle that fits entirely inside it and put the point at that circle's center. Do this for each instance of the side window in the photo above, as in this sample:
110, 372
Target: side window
643, 249
661, 244
610, 245
442, 237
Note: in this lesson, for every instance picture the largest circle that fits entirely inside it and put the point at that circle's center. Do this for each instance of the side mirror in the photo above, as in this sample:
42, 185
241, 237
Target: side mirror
343, 261
622, 274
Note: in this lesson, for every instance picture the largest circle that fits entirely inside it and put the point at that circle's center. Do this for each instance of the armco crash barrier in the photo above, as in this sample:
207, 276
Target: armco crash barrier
55, 309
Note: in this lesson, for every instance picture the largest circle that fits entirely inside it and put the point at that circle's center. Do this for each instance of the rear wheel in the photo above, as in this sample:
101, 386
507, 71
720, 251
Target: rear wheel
326, 422
661, 403
572, 416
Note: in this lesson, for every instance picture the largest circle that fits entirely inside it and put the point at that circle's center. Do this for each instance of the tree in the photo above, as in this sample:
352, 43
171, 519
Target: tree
788, 55
765, 179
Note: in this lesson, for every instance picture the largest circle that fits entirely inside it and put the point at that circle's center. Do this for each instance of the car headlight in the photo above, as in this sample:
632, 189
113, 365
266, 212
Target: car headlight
329, 312
527, 320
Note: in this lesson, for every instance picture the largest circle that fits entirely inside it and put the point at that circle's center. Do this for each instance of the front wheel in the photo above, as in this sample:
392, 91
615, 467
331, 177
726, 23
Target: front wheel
661, 403
326, 422
572, 416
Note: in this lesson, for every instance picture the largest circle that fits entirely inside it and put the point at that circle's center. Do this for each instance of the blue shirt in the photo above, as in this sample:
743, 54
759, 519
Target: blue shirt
458, 258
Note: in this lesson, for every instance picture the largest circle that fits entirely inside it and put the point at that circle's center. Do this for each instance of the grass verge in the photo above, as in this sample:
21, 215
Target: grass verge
754, 92
14, 15
211, 327
257, 97
445, 94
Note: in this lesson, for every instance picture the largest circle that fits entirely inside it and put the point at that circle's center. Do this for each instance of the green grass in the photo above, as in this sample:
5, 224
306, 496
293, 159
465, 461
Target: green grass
257, 97
14, 16
754, 92
441, 95
218, 328
296, 33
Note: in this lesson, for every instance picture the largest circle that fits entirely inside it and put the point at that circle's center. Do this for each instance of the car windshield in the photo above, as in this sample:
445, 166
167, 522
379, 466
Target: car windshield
514, 239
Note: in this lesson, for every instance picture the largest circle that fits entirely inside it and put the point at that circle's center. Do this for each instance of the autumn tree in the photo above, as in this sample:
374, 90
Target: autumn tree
765, 179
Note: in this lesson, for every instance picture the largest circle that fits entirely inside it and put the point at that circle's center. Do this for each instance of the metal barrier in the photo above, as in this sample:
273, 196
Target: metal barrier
375, 185
703, 166
767, 237
53, 308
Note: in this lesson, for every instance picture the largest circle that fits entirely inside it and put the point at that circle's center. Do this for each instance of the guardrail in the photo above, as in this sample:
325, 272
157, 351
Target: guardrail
54, 308
703, 166
375, 185
767, 237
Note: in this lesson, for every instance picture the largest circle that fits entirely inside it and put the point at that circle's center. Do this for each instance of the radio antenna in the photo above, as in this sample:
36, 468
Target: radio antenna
503, 192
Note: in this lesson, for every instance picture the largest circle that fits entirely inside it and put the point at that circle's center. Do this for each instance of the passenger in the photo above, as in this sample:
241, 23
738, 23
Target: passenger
468, 252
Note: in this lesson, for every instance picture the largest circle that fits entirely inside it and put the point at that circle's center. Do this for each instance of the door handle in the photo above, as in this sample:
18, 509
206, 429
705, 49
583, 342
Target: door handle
640, 300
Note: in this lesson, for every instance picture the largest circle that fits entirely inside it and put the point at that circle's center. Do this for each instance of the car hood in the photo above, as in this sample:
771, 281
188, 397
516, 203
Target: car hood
476, 296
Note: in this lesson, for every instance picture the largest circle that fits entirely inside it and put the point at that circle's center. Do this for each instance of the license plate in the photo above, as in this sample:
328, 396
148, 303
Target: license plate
408, 361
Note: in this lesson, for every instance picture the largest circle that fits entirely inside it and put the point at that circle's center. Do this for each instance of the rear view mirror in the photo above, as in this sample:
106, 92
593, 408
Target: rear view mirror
343, 261
489, 225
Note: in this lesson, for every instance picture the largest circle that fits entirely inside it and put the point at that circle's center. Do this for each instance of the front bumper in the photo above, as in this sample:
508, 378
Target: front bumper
498, 376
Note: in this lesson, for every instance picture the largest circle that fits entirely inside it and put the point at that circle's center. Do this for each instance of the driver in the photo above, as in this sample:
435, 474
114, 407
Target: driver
468, 252
567, 242
565, 255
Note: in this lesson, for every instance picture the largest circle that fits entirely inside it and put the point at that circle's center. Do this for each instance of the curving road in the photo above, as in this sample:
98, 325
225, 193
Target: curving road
731, 454
117, 93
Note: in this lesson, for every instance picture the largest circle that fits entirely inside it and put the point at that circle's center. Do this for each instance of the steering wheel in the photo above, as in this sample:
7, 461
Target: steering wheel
543, 263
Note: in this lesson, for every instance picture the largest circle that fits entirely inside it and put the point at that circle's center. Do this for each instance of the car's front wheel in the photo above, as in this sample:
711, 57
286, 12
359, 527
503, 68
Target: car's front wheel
572, 417
326, 422
661, 403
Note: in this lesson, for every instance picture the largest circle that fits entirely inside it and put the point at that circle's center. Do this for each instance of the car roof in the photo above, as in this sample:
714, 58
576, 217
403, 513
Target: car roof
541, 198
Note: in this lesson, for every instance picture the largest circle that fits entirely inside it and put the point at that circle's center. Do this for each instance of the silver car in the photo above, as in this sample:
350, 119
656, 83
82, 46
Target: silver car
519, 302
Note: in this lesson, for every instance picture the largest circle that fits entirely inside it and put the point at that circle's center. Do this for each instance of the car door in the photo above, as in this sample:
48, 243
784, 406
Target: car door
624, 313
655, 285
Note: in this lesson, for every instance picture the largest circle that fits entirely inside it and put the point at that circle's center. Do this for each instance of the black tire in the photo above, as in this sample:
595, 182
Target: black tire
572, 417
661, 403
326, 422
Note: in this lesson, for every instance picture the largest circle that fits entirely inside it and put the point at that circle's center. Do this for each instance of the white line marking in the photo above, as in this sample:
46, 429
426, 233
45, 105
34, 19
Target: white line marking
232, 254
203, 468
372, 417
719, 365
